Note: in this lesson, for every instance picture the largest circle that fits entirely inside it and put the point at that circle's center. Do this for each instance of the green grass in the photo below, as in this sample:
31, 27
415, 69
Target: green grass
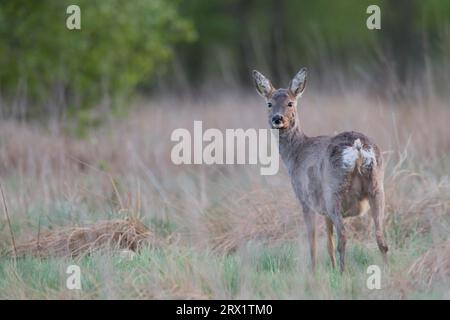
280, 272
228, 232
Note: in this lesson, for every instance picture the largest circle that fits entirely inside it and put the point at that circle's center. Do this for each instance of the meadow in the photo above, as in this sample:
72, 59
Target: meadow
224, 231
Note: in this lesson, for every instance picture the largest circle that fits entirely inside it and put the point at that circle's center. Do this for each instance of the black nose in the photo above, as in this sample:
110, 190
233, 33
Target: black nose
277, 119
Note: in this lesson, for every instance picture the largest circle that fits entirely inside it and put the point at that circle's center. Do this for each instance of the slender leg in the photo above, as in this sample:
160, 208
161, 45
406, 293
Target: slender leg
330, 241
377, 211
334, 213
342, 240
310, 220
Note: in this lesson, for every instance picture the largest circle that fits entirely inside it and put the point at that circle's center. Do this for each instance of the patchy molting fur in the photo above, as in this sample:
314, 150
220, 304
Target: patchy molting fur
358, 156
335, 176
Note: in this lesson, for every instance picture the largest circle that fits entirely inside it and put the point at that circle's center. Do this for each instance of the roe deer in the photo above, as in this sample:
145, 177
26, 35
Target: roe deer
336, 176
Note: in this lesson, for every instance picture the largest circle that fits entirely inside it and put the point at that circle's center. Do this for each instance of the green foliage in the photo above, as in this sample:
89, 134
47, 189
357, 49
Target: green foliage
231, 275
164, 227
276, 34
276, 259
280, 36
176, 271
123, 45
361, 257
120, 44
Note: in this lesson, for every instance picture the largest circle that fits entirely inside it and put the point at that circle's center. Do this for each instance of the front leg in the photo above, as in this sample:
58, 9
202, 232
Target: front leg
310, 221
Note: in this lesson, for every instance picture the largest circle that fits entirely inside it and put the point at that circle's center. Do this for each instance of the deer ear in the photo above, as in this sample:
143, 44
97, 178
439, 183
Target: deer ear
298, 83
262, 84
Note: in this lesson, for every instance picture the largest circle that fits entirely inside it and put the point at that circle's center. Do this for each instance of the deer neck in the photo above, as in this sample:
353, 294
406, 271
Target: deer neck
290, 143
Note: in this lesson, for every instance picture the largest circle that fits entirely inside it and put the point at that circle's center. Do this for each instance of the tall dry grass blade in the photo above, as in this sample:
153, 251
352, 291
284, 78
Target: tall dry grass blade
5, 208
116, 191
38, 235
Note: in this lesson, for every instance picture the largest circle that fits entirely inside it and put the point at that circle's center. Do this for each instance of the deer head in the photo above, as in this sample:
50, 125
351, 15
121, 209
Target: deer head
281, 103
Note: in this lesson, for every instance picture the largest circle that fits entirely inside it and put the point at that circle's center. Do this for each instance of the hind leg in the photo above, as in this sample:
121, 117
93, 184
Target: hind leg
342, 238
377, 211
330, 241
334, 213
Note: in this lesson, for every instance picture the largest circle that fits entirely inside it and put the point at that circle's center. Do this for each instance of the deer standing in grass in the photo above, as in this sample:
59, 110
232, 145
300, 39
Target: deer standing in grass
336, 176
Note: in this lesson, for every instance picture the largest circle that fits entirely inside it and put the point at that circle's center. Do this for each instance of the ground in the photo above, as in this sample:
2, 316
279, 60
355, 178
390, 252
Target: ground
226, 231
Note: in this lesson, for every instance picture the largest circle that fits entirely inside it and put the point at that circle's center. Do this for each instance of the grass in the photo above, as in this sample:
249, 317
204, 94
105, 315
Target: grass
178, 272
231, 232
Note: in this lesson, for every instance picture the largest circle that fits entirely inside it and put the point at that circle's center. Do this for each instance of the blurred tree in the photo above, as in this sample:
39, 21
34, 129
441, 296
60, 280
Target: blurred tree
120, 44
279, 36
123, 45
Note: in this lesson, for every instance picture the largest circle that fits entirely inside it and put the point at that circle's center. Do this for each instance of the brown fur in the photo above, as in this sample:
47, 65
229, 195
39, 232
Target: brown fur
320, 178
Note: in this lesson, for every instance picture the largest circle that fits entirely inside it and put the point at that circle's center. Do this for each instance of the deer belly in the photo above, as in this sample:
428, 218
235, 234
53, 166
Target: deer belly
355, 207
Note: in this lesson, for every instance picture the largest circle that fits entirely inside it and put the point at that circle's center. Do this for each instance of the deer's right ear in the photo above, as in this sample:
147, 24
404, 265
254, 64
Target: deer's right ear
262, 84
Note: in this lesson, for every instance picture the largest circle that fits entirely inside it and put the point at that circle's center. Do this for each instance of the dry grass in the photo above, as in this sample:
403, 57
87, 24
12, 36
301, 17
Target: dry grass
73, 242
54, 181
433, 267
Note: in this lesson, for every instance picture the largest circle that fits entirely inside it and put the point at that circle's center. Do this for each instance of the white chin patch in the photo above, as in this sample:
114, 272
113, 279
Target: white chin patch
278, 126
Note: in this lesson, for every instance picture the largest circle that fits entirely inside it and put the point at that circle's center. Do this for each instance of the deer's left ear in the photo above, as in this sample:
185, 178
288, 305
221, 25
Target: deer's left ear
298, 83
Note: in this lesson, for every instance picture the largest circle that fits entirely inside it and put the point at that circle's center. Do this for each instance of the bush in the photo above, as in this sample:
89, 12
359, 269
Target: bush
120, 44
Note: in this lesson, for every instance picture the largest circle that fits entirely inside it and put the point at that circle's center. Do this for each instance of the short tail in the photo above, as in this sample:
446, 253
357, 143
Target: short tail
357, 146
358, 156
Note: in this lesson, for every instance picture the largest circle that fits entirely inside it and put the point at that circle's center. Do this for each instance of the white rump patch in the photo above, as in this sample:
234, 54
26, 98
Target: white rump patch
358, 156
349, 157
368, 157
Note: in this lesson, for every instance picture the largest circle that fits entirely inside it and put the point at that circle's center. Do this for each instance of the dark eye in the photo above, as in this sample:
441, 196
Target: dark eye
269, 104
290, 104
